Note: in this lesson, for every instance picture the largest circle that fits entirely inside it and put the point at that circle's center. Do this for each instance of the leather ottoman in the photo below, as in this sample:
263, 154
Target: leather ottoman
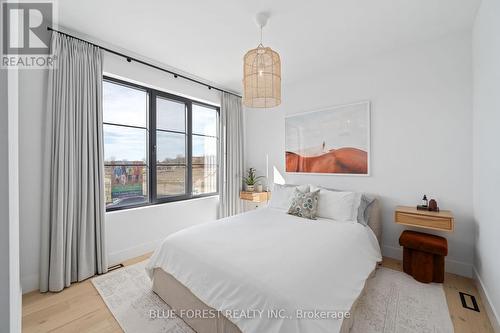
423, 255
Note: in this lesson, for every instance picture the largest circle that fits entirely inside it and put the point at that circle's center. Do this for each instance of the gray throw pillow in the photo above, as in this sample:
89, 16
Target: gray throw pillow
363, 211
304, 204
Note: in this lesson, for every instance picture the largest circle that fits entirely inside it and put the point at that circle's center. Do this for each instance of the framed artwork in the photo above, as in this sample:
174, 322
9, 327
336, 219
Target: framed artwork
334, 140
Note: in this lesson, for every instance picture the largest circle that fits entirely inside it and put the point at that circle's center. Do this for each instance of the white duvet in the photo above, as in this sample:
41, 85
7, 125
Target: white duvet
268, 262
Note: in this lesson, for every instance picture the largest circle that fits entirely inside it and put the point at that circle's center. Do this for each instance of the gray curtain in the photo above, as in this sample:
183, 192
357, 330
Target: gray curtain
231, 155
73, 246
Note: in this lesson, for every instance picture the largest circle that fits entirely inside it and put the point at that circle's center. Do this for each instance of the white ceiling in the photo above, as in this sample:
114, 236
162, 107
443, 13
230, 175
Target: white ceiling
208, 38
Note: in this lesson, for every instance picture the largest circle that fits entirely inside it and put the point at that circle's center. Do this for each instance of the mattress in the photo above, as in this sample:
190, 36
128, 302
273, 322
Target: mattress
268, 261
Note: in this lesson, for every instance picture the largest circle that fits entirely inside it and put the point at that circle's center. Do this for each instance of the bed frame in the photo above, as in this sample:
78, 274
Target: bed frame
181, 299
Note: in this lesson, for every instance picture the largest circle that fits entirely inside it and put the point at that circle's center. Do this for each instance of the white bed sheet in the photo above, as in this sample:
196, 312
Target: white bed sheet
269, 260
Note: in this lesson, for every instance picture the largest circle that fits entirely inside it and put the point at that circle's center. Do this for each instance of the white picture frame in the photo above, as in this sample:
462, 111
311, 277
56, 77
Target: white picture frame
335, 140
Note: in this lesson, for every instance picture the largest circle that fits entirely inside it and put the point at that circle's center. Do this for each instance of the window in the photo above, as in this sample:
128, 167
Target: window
204, 159
171, 147
158, 147
125, 114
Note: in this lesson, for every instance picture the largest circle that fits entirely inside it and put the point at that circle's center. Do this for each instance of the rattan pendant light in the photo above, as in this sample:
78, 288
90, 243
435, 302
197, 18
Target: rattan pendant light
261, 74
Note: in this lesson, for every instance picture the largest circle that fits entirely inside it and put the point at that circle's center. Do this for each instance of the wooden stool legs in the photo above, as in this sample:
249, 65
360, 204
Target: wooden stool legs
424, 267
407, 261
438, 275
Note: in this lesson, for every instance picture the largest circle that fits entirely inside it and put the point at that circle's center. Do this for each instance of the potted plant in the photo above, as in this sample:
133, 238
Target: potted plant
251, 179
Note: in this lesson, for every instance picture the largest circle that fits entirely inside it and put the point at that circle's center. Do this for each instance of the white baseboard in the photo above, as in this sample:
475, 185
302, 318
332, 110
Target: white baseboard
490, 309
451, 266
392, 252
30, 283
132, 252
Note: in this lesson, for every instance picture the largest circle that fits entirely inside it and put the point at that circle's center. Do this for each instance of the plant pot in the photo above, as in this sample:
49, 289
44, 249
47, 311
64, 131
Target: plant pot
249, 188
258, 188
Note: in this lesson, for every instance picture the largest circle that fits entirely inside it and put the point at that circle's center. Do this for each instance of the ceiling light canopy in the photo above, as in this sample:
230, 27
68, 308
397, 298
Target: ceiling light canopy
261, 73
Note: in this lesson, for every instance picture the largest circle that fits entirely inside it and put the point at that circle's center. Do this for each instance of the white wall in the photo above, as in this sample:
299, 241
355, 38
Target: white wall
10, 287
486, 46
14, 266
137, 231
129, 233
421, 133
4, 205
32, 89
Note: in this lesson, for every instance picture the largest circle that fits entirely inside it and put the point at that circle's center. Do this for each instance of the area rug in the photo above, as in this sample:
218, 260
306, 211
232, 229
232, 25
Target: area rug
128, 295
392, 302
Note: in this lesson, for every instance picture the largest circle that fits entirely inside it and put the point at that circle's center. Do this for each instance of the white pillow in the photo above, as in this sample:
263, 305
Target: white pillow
282, 195
338, 206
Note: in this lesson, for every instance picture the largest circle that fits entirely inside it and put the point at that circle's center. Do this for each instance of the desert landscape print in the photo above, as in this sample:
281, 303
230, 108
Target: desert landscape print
334, 140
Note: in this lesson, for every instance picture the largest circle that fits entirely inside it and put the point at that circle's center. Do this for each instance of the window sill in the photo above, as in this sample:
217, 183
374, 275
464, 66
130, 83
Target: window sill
152, 205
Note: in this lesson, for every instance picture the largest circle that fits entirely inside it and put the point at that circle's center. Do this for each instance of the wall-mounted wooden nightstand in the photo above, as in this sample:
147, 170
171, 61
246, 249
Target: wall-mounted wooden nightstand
254, 200
411, 216
423, 254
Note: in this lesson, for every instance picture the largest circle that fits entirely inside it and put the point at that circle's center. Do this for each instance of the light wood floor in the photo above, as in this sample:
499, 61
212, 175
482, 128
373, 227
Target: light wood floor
81, 309
464, 320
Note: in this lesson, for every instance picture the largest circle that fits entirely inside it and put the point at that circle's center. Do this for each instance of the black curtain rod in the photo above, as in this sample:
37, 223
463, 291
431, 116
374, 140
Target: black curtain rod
130, 59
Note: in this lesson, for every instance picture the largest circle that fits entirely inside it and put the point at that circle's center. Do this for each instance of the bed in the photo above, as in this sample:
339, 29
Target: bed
267, 271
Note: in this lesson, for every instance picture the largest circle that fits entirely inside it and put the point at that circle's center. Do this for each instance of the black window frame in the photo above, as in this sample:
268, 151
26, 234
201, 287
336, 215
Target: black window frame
151, 163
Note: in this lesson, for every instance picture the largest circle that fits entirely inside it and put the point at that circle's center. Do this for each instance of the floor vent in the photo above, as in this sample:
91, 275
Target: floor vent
468, 300
112, 268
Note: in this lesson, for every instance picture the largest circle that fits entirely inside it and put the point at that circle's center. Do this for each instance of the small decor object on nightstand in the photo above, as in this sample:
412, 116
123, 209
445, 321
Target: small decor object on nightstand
433, 206
251, 179
424, 201
430, 206
424, 204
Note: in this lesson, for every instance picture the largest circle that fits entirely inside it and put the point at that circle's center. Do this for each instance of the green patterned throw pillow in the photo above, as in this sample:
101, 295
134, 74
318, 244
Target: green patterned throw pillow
304, 204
